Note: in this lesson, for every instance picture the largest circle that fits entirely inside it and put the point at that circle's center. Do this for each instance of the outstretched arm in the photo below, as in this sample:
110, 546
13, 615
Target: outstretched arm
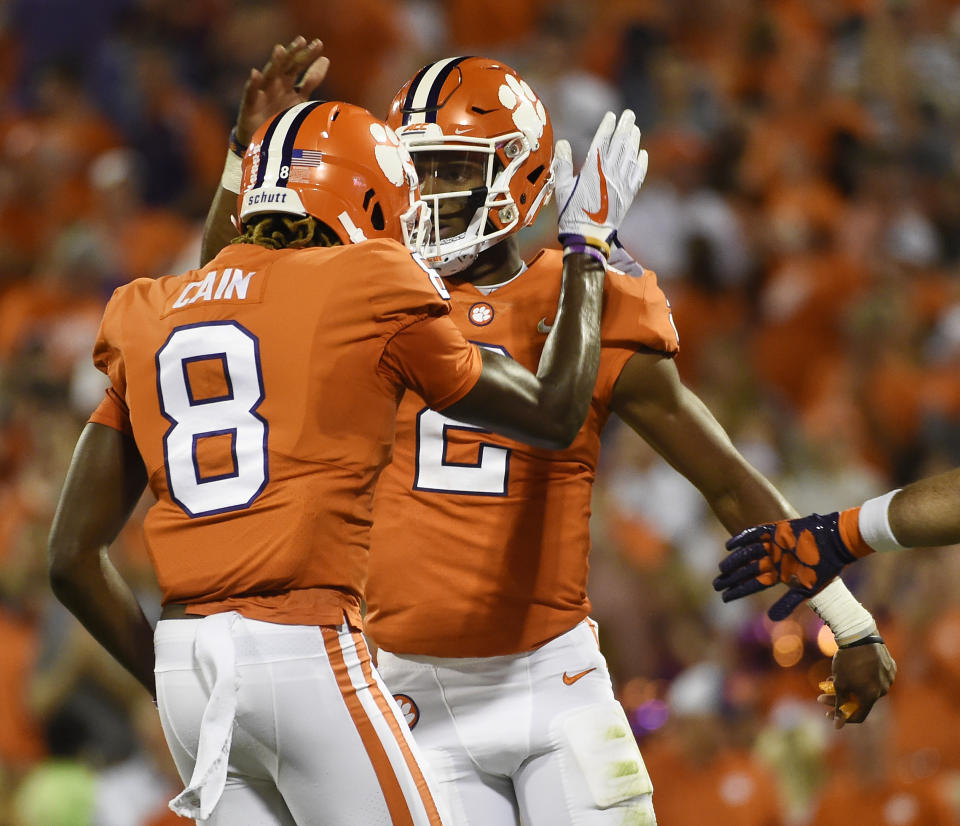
104, 482
927, 512
652, 400
650, 397
807, 553
290, 76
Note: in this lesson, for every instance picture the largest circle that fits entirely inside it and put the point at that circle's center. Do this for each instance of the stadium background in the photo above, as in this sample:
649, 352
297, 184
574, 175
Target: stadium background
802, 211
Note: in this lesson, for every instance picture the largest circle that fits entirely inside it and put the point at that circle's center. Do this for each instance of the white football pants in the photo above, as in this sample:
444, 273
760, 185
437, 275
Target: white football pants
536, 738
284, 725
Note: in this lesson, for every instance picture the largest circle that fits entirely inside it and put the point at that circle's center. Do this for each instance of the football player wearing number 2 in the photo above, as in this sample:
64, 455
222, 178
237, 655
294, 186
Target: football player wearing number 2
257, 397
488, 641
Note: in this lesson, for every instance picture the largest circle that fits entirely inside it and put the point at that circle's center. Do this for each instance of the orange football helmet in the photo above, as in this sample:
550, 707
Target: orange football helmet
482, 143
340, 164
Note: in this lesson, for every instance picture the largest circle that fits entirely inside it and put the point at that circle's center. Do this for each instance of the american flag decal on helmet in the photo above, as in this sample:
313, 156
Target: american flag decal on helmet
276, 148
306, 157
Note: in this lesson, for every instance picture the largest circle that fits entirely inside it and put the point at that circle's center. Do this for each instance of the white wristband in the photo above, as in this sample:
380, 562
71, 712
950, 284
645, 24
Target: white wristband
232, 173
839, 609
874, 523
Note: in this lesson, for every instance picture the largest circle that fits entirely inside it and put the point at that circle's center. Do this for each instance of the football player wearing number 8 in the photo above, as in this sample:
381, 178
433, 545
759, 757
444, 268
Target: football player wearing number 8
257, 397
476, 592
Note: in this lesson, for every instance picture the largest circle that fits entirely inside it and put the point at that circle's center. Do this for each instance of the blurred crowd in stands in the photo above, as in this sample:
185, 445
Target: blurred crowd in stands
802, 212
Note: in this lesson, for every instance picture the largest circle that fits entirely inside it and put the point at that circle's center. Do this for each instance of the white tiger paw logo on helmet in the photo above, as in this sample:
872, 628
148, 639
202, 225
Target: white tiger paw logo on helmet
528, 112
393, 157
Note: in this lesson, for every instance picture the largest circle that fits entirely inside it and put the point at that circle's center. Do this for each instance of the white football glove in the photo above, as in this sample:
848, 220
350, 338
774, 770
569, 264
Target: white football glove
593, 203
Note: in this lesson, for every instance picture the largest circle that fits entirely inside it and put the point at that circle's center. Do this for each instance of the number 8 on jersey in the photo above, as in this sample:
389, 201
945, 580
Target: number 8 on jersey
232, 352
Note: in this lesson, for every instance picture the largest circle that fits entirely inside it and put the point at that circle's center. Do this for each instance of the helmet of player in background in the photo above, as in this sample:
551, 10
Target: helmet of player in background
482, 143
340, 164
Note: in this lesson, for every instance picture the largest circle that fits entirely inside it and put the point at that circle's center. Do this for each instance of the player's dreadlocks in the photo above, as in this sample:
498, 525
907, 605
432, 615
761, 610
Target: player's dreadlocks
275, 231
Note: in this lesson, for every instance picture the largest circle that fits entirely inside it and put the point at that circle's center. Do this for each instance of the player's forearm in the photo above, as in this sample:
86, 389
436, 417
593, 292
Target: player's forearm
924, 513
545, 410
590, 208
567, 371
218, 231
748, 499
107, 463
650, 397
927, 512
738, 494
92, 590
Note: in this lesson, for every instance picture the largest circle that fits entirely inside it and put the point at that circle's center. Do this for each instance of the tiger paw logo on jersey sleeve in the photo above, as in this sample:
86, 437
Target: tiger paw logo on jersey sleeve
393, 157
408, 708
528, 112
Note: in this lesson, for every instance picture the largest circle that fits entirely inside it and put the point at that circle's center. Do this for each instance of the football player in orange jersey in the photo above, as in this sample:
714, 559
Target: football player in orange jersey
487, 642
257, 396
497, 535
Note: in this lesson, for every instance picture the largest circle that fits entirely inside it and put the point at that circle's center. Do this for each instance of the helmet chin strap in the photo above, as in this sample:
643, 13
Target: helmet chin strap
354, 233
456, 264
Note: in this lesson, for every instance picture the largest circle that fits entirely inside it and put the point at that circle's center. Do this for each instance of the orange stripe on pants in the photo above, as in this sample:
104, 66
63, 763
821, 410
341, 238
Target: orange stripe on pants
593, 628
389, 784
384, 705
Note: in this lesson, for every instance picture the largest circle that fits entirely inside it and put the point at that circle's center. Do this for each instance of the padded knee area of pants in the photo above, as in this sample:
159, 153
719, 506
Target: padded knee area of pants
638, 811
600, 739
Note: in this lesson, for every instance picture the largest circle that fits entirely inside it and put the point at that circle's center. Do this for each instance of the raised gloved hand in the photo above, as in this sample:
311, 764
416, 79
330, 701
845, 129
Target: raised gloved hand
805, 553
289, 77
593, 203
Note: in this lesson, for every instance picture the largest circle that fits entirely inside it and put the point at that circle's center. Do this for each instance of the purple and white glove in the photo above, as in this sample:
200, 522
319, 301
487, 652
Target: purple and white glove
593, 203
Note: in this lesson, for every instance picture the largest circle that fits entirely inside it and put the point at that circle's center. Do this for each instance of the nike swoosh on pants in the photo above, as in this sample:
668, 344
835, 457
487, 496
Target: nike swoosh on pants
570, 679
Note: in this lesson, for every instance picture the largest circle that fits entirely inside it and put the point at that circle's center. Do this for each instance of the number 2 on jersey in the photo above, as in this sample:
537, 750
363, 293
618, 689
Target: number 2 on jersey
210, 385
488, 476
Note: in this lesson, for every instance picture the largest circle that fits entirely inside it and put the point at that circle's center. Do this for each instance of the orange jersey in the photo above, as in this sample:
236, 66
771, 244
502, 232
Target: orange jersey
262, 392
480, 543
